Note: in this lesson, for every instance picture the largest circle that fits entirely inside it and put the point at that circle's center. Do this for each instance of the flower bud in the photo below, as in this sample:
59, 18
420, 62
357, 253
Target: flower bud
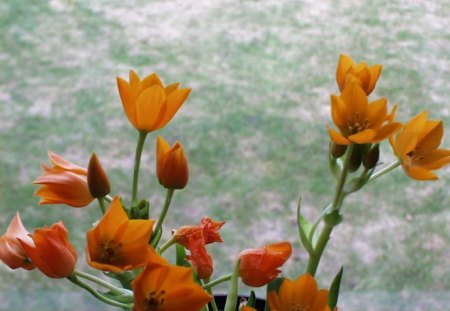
356, 157
97, 179
371, 158
338, 150
171, 165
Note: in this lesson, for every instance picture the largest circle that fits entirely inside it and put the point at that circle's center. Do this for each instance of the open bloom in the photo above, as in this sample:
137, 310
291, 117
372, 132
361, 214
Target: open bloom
148, 104
171, 164
117, 243
64, 183
416, 145
195, 238
51, 251
259, 266
366, 76
11, 251
358, 121
163, 287
301, 294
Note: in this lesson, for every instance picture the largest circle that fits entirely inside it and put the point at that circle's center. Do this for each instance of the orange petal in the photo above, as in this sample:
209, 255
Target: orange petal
417, 123
419, 173
344, 65
174, 102
337, 137
434, 159
128, 96
61, 163
305, 290
149, 106
377, 112
431, 136
375, 71
151, 80
405, 142
171, 88
363, 137
320, 301
355, 99
339, 113
387, 131
287, 294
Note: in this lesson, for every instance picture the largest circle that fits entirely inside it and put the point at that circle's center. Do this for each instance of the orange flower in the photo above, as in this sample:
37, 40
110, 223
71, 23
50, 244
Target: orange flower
301, 294
171, 164
416, 145
259, 266
51, 252
247, 308
359, 121
148, 104
64, 183
194, 238
366, 76
117, 243
162, 287
11, 251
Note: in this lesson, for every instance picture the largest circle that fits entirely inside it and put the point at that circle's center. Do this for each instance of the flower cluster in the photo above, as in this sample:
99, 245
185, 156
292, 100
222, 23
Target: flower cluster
125, 245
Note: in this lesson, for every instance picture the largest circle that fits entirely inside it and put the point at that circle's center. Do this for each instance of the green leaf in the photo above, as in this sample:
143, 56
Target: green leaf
251, 299
333, 293
304, 228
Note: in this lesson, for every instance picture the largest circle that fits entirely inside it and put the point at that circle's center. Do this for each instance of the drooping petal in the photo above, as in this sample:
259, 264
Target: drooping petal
419, 173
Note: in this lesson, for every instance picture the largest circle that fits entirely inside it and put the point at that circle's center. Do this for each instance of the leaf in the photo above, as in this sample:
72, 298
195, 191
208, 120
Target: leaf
333, 293
251, 299
304, 228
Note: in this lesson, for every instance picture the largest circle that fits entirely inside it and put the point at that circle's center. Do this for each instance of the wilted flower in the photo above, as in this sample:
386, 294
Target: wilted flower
171, 164
259, 266
416, 145
148, 104
301, 294
11, 251
163, 287
347, 72
64, 183
117, 243
51, 251
358, 121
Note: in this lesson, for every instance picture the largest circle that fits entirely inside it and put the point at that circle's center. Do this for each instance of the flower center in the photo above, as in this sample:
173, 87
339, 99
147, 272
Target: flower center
297, 307
154, 301
357, 124
110, 252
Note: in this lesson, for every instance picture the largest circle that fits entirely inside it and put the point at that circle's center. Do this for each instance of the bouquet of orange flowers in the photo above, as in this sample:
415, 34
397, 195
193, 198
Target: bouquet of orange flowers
126, 245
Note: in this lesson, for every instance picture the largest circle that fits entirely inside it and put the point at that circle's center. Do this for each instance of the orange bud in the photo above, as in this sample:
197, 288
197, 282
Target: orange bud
97, 179
259, 266
51, 251
171, 164
11, 251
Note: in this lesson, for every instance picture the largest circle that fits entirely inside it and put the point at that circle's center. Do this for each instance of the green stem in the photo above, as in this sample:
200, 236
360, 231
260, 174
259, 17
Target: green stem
230, 304
213, 302
137, 163
169, 195
101, 202
385, 170
103, 283
97, 295
166, 245
217, 281
317, 222
324, 237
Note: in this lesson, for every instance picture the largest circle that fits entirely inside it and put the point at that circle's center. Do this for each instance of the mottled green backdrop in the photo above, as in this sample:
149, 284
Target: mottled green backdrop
254, 129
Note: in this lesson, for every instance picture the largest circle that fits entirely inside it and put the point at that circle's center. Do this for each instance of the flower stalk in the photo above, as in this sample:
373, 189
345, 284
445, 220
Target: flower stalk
137, 163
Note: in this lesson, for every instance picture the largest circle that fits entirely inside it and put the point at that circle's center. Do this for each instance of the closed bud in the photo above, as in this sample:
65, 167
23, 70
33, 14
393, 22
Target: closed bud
97, 179
338, 150
371, 158
356, 157
171, 165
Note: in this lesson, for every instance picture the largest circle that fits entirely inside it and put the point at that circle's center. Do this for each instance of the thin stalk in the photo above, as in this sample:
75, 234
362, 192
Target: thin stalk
230, 304
318, 220
103, 283
385, 170
101, 202
137, 163
213, 302
166, 245
97, 295
217, 281
169, 195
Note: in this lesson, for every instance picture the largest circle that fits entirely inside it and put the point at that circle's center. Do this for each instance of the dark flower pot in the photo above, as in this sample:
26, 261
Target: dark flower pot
221, 299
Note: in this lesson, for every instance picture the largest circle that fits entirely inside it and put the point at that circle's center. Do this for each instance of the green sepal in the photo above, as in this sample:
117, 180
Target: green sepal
180, 254
333, 218
333, 293
304, 228
156, 236
358, 182
143, 209
251, 299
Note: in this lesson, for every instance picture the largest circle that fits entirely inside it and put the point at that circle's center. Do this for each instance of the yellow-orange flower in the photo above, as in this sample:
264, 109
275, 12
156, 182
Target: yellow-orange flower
358, 121
148, 104
366, 76
51, 251
301, 294
163, 287
259, 266
117, 243
64, 183
171, 164
416, 145
11, 251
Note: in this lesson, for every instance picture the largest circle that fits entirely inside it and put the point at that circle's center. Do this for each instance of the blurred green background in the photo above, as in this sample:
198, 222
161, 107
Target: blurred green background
254, 129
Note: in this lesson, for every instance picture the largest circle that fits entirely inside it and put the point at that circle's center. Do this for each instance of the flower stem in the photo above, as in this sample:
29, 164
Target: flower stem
166, 245
97, 295
103, 283
324, 236
230, 304
213, 302
169, 195
101, 202
137, 163
385, 170
217, 281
